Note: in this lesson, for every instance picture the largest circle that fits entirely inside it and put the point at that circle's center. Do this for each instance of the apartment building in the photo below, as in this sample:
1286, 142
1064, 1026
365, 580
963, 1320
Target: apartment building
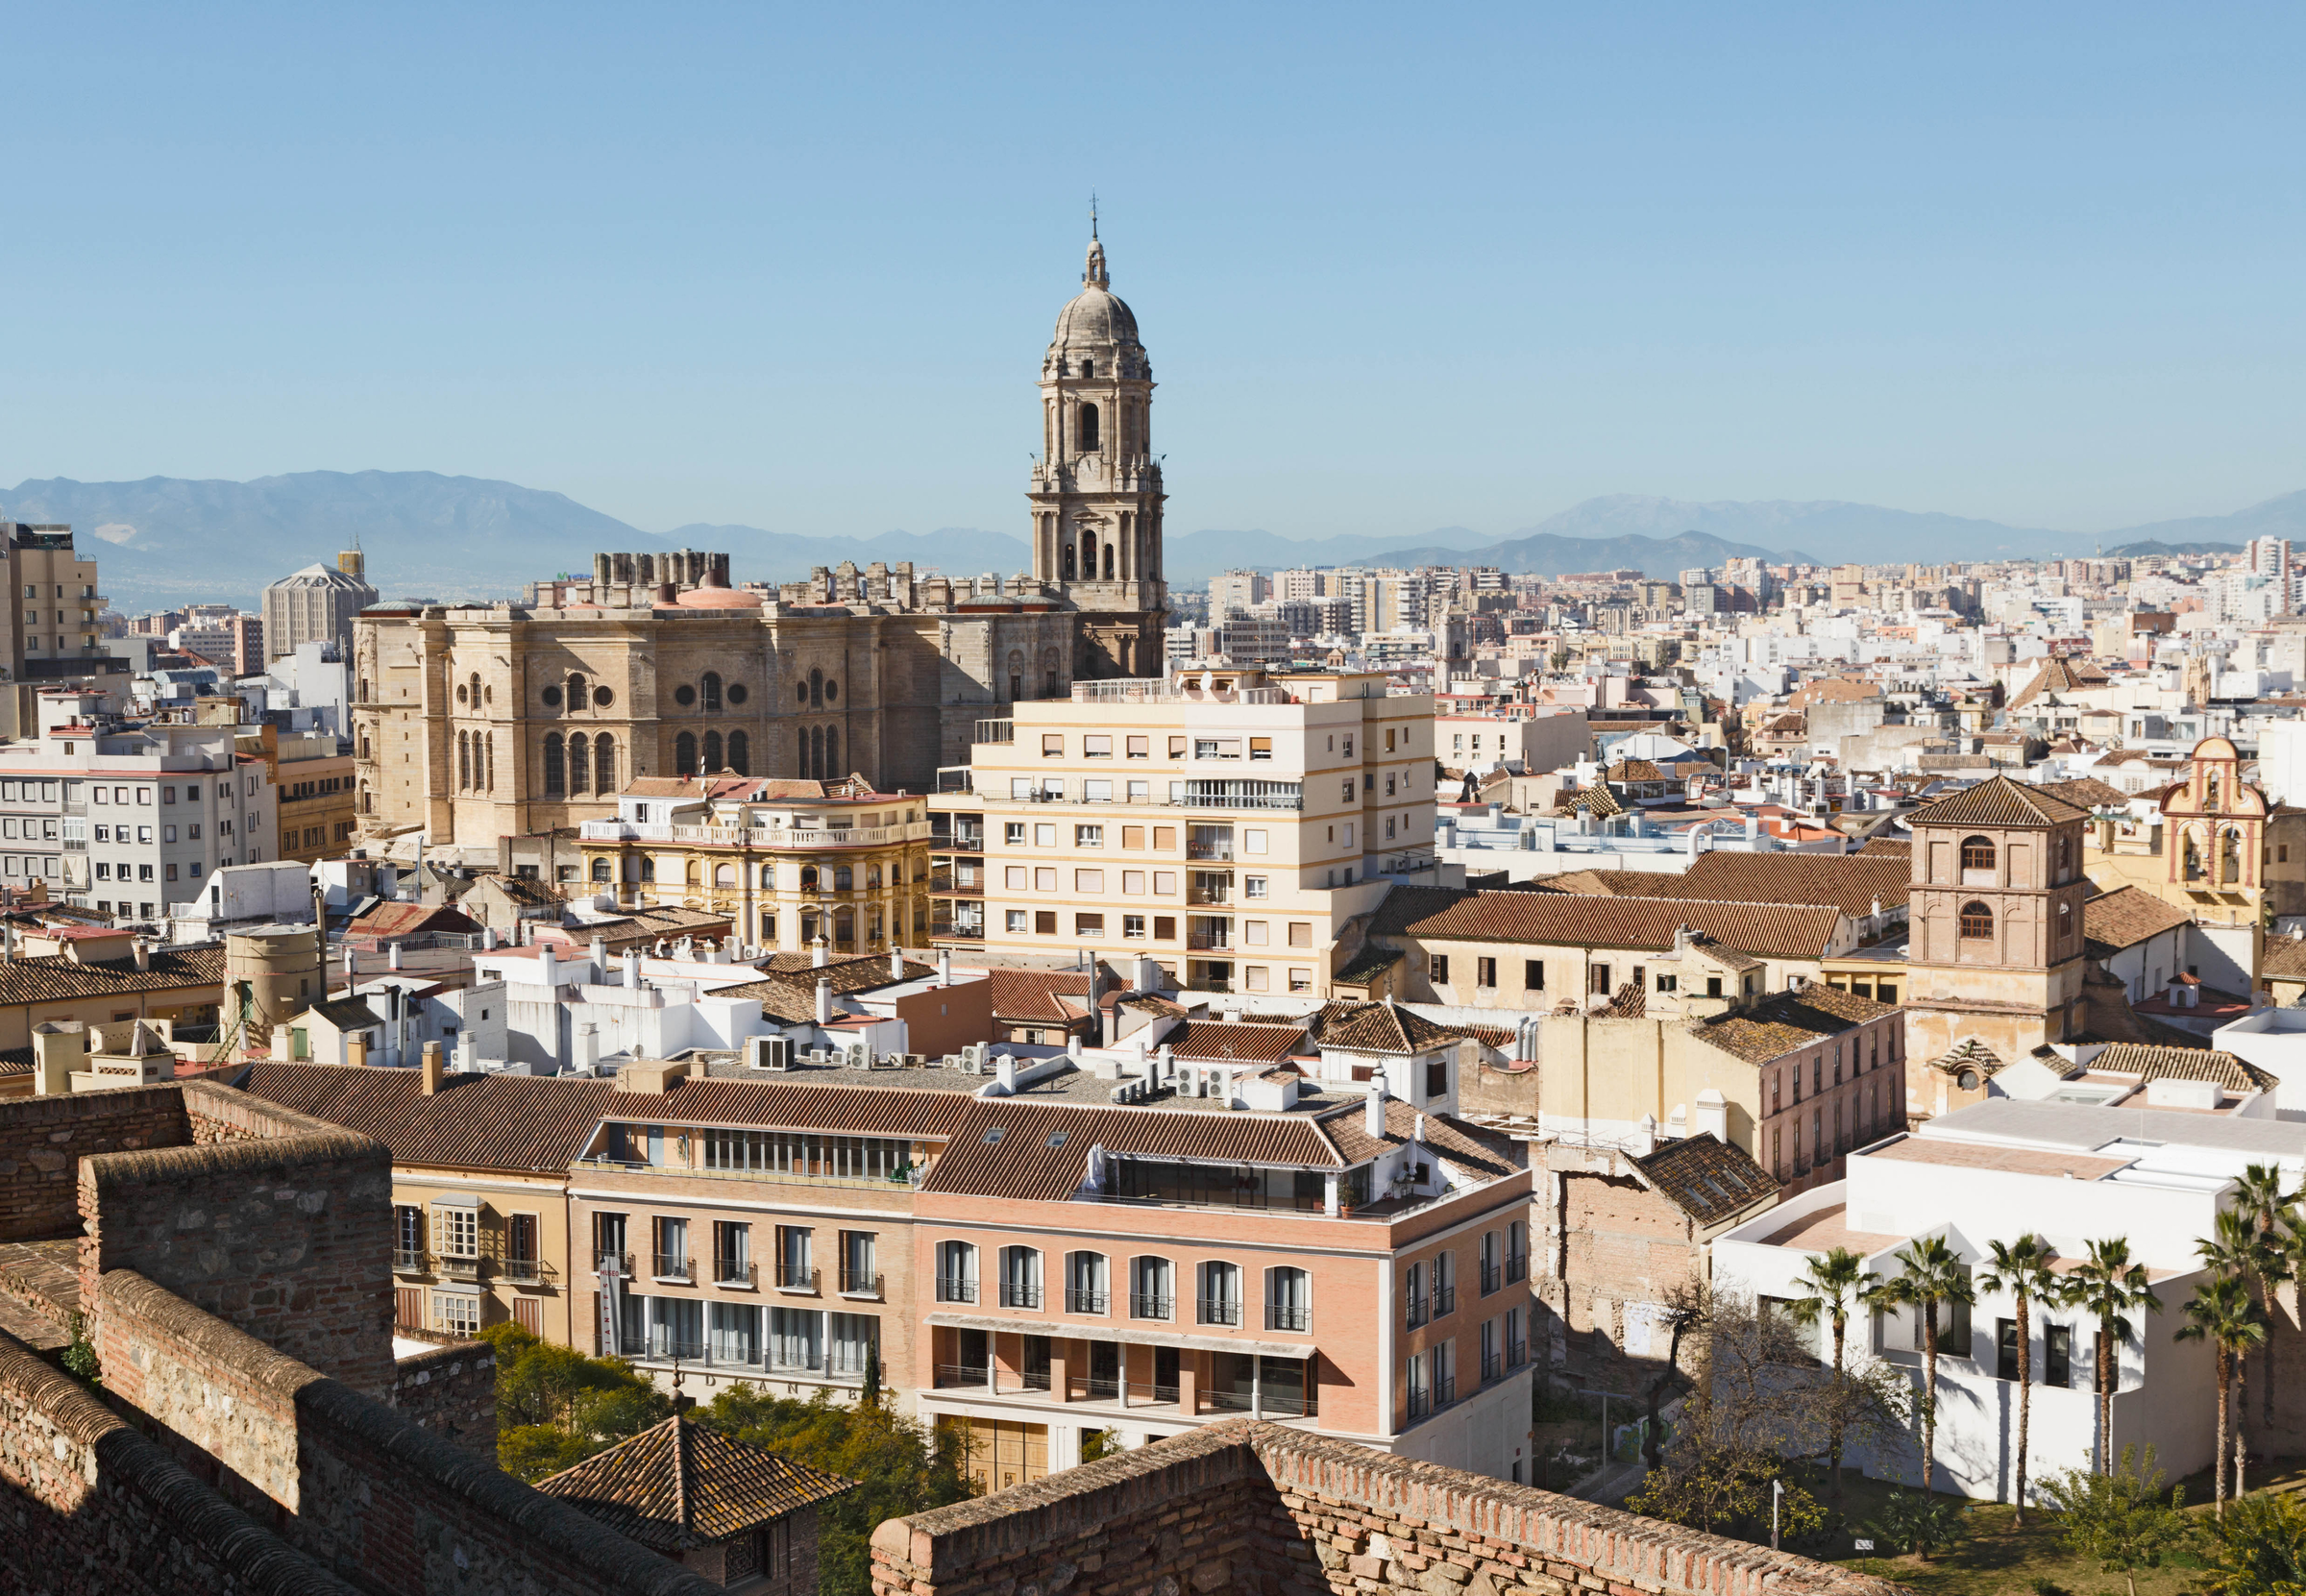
1225, 822
121, 820
312, 777
1230, 1237
787, 861
51, 624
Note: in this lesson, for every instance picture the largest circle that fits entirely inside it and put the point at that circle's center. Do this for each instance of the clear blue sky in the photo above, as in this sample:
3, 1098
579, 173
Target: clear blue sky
1398, 267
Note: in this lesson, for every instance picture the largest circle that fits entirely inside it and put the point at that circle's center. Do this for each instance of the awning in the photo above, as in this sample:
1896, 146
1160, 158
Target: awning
1132, 1335
457, 1199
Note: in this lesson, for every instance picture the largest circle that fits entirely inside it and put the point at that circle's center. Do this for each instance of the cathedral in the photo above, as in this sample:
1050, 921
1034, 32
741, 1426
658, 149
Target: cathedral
473, 722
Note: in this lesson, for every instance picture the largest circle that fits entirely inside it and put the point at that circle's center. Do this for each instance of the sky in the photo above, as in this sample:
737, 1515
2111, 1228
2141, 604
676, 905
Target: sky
1397, 268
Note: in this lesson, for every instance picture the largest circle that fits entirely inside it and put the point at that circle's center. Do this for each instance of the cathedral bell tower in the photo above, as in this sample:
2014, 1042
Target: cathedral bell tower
1097, 487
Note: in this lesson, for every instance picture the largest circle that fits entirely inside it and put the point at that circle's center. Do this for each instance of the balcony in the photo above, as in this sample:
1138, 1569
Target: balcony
616, 1262
1517, 1355
779, 838
1221, 1311
1491, 1276
1492, 1365
1211, 852
1016, 1293
963, 1377
950, 1288
1144, 1307
405, 1261
1445, 1301
1086, 1302
1212, 886
1421, 1401
1518, 1268
521, 1271
1098, 1388
995, 731
1416, 1311
735, 1271
1215, 940
860, 1283
456, 1265
1280, 1316
793, 1277
673, 1267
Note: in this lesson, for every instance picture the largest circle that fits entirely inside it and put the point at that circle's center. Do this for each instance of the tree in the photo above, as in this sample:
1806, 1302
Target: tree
555, 1407
2118, 1517
2021, 1268
2223, 1314
2258, 1548
1837, 1283
2262, 1204
1915, 1522
900, 1466
1930, 1273
2109, 1288
1687, 1305
872, 1397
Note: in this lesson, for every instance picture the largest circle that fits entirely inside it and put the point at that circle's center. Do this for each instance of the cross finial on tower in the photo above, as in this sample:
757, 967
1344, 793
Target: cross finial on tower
1093, 216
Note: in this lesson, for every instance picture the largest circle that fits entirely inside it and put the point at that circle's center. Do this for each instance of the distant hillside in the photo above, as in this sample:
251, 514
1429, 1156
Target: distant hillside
2151, 548
2284, 516
759, 555
1545, 555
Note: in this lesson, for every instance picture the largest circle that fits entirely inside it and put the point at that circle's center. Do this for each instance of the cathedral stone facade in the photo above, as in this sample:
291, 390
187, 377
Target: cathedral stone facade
477, 721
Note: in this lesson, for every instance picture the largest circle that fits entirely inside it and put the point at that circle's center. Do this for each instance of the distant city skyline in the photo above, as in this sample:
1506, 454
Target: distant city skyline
796, 271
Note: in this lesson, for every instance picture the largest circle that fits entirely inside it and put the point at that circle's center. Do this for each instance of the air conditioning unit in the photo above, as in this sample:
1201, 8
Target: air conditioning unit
768, 1052
857, 1056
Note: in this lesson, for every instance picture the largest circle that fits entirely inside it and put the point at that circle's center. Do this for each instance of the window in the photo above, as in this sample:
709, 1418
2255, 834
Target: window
455, 1315
956, 1272
1484, 972
1052, 745
1437, 1078
1088, 836
1165, 883
1133, 925
1152, 1289
1045, 878
1977, 853
1220, 1293
1044, 923
1165, 838
1977, 923
1137, 748
1044, 834
1021, 1277
1013, 833
1439, 972
1016, 921
458, 1230
1096, 746
1089, 925
2057, 1355
2005, 1349
1599, 980
1533, 974
1261, 747
1086, 1286
1088, 880
1288, 1300
1301, 980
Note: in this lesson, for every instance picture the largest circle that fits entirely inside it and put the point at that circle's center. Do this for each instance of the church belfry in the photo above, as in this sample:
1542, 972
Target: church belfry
1097, 487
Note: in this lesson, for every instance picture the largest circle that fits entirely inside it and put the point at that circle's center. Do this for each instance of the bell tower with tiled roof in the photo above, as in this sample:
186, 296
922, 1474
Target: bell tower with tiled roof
1995, 955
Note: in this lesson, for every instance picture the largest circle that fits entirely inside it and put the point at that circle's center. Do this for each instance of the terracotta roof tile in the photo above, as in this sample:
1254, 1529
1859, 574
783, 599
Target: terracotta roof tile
2126, 917
52, 977
1222, 1041
2150, 1062
1382, 1028
1030, 996
1435, 914
1041, 1151
1707, 1179
2087, 791
2284, 957
1850, 882
1969, 1053
681, 1484
1791, 1020
2000, 801
1468, 1146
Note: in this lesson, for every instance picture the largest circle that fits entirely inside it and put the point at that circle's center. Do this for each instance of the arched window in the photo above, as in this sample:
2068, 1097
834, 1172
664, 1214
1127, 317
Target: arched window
844, 879
1977, 921
956, 1272
808, 878
1068, 561
768, 877
801, 764
816, 689
1089, 428
581, 765
684, 754
740, 753
816, 769
605, 766
872, 877
464, 759
724, 875
488, 749
647, 866
832, 753
576, 693
712, 753
2065, 855
711, 686
364, 753
844, 930
556, 777
1977, 853
2194, 855
601, 869
1109, 562
2229, 857
368, 801
475, 685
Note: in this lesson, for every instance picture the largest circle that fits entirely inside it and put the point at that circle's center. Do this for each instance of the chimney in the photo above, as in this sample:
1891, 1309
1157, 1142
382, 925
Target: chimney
897, 964
355, 1051
488, 939
351, 974
392, 955
1373, 1120
632, 970
431, 1068
824, 998
944, 967
600, 952
143, 953
548, 966
820, 954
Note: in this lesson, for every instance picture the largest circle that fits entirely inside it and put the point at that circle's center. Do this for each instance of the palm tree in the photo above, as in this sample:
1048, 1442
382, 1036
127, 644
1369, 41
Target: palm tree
2264, 1206
2223, 1315
2109, 1286
1837, 1284
1930, 1273
2023, 1268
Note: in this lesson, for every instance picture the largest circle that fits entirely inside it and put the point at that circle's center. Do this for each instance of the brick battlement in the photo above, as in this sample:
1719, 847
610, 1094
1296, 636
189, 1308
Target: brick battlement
1245, 1506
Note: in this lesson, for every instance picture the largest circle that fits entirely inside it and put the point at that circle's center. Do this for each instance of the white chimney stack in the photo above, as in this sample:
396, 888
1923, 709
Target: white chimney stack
1373, 1119
600, 952
548, 966
632, 970
897, 964
819, 955
824, 999
944, 967
392, 955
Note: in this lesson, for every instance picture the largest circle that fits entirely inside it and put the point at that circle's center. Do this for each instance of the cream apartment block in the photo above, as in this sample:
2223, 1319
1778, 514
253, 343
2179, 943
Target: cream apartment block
1224, 822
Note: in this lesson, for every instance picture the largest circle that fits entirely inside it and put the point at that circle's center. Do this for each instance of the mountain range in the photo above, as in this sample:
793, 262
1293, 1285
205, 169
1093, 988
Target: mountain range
167, 540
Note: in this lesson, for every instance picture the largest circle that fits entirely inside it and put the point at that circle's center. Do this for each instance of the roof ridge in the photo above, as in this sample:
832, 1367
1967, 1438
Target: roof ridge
680, 1473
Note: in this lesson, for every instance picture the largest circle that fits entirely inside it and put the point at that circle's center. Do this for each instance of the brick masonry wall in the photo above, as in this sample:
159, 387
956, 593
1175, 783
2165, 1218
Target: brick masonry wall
41, 1139
452, 1392
288, 1237
1242, 1506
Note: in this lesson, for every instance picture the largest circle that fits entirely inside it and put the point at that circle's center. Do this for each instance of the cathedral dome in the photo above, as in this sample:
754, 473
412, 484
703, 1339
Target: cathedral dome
1095, 319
